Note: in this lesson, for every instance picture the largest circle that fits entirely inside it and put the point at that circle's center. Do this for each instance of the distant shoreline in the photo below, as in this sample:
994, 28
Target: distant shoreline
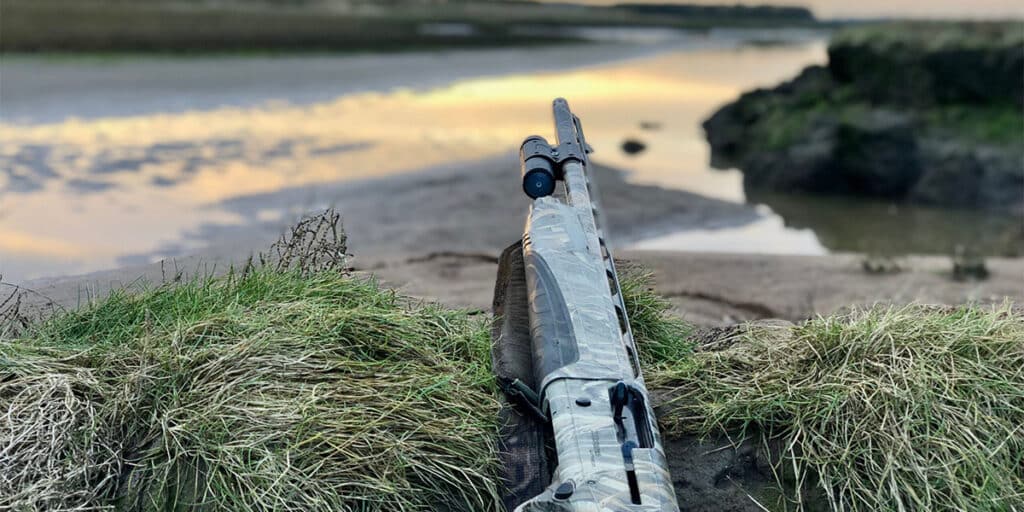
45, 88
41, 90
199, 27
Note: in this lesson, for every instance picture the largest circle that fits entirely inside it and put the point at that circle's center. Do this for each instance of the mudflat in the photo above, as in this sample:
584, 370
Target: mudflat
436, 235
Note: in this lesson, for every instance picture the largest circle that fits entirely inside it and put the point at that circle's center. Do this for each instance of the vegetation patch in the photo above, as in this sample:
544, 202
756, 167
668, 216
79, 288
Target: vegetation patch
910, 408
999, 125
293, 385
289, 386
264, 391
663, 336
931, 35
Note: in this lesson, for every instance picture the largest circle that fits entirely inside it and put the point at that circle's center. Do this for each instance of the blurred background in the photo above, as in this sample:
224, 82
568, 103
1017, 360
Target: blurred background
136, 131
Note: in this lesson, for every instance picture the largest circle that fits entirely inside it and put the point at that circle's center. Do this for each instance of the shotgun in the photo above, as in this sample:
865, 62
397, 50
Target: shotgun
587, 389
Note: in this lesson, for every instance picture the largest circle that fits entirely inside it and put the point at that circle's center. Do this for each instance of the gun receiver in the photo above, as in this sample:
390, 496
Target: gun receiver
586, 369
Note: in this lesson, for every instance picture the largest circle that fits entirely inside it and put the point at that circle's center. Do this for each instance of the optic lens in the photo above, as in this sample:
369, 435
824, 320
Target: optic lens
538, 183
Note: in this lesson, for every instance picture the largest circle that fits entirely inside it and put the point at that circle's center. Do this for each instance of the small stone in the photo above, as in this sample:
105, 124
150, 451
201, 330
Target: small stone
633, 146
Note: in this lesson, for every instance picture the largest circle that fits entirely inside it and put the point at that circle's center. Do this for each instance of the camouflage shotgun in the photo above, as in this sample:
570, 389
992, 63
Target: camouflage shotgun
586, 389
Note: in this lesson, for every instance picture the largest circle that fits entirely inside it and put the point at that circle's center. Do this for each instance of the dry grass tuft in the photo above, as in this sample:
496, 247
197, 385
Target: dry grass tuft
317, 243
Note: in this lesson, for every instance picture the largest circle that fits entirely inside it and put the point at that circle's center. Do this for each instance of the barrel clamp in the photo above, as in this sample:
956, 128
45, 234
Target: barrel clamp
536, 145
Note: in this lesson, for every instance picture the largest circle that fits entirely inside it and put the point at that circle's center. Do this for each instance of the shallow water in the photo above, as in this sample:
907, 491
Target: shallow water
134, 171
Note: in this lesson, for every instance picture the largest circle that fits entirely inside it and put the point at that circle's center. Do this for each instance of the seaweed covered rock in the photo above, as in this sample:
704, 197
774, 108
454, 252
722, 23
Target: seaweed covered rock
923, 113
930, 63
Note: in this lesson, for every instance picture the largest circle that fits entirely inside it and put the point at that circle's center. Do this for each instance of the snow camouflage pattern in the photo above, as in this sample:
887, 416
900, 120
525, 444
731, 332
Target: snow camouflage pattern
609, 452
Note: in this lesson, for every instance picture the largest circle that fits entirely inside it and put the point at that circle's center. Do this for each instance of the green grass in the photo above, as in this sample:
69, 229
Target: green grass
1001, 125
266, 390
958, 83
106, 27
931, 35
780, 128
911, 408
781, 124
269, 391
285, 390
663, 336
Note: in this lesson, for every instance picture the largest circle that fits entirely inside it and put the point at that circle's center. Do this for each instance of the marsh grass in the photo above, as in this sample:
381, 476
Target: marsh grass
293, 385
289, 385
932, 35
909, 408
663, 336
265, 391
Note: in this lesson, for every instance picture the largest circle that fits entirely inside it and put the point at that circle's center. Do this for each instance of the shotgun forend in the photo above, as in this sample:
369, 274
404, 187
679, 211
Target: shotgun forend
588, 385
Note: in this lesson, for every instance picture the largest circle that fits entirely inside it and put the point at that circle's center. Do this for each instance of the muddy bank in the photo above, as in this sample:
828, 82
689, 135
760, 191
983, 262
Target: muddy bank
707, 289
420, 240
421, 218
712, 289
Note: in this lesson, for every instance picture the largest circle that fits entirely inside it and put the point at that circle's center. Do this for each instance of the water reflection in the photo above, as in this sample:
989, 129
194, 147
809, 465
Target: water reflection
883, 228
86, 194
769, 235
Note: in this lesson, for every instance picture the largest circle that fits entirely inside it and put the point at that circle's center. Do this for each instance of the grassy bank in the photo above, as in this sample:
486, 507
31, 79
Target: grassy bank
914, 408
176, 26
301, 387
269, 391
289, 384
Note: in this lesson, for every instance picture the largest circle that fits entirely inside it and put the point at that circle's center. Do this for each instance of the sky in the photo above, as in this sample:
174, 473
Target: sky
876, 8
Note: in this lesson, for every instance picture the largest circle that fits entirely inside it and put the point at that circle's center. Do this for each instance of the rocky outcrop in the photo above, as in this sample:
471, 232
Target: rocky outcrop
932, 63
903, 118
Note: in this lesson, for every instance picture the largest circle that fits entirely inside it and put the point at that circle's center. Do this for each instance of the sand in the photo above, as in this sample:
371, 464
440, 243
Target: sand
716, 289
